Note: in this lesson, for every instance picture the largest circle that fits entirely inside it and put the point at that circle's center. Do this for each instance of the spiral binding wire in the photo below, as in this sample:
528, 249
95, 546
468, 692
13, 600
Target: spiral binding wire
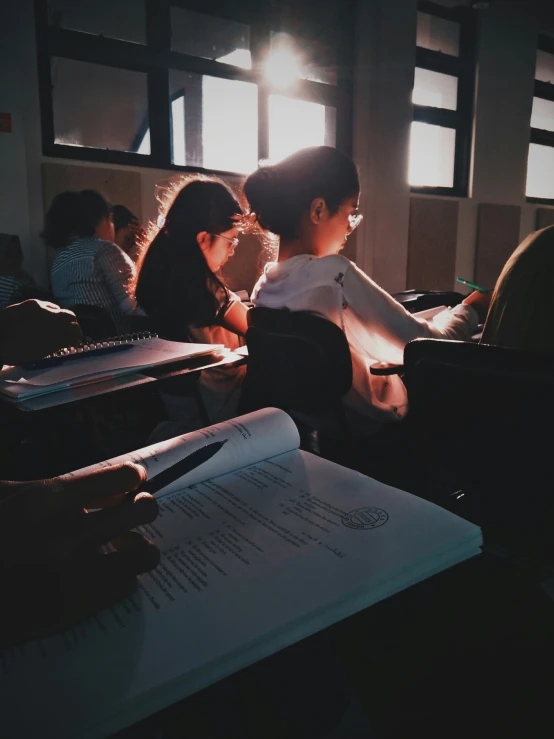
103, 343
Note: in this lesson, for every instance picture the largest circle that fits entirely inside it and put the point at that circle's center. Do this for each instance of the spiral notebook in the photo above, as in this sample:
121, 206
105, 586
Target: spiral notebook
95, 362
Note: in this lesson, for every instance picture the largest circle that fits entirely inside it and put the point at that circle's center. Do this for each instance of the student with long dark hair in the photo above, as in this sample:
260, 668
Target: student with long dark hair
310, 201
180, 288
90, 268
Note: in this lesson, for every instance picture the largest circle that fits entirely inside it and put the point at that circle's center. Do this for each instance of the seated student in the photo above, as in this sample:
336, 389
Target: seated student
310, 201
128, 231
90, 268
522, 305
15, 283
179, 287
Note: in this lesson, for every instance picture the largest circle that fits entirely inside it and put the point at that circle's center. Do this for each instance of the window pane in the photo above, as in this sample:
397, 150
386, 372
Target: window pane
294, 58
435, 89
438, 34
540, 172
210, 38
545, 67
295, 124
543, 114
124, 19
214, 122
115, 117
432, 155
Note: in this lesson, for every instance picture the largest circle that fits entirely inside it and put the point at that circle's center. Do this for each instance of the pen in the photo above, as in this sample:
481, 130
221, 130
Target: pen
48, 362
180, 468
473, 286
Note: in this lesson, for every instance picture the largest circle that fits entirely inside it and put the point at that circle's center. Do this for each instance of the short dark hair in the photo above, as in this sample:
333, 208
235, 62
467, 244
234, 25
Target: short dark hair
73, 213
278, 194
122, 217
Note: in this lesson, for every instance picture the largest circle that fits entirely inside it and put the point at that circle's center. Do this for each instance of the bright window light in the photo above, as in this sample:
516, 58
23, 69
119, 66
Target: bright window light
543, 114
144, 146
178, 130
282, 68
435, 89
229, 124
238, 58
431, 155
540, 172
294, 124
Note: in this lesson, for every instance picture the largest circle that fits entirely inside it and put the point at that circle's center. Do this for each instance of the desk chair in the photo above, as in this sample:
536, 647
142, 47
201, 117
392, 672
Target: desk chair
96, 323
417, 300
480, 417
298, 362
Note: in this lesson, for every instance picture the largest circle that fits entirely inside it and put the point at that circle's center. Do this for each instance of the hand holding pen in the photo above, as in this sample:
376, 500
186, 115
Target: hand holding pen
479, 299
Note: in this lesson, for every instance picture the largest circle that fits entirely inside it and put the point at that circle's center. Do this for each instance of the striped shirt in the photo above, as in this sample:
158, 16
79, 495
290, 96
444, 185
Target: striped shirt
92, 271
12, 289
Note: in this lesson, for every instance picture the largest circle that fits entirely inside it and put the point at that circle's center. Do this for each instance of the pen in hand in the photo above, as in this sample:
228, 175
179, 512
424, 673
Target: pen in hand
473, 286
180, 468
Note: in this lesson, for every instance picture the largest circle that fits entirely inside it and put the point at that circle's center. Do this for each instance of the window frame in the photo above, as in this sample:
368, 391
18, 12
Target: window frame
461, 120
545, 91
156, 59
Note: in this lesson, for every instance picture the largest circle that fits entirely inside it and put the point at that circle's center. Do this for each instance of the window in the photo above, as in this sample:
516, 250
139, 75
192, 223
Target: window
165, 84
540, 164
443, 100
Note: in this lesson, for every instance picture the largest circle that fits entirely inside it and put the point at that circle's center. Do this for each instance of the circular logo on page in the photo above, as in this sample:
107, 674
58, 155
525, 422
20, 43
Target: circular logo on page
365, 518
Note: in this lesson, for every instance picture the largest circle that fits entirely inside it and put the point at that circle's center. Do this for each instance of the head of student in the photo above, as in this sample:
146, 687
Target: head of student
177, 279
126, 228
309, 198
77, 215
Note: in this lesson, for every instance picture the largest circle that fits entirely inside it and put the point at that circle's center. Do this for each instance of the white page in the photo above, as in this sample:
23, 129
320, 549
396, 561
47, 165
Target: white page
144, 353
430, 313
252, 562
249, 438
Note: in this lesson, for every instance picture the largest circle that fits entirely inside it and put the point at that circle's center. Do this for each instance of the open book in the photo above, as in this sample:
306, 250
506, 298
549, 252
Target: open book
91, 364
266, 545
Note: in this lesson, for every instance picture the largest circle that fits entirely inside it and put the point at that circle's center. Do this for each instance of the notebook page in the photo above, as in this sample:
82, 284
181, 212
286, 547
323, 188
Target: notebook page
143, 353
251, 562
249, 439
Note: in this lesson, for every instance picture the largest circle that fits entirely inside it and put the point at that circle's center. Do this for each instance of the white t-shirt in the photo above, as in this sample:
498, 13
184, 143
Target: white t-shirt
377, 326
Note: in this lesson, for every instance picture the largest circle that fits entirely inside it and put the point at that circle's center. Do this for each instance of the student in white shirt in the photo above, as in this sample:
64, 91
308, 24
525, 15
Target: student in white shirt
180, 288
310, 201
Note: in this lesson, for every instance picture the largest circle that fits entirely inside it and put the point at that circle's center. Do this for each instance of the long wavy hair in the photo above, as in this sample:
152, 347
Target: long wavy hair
174, 285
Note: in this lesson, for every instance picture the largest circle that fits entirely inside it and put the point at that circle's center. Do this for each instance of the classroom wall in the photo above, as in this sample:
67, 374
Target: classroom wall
398, 232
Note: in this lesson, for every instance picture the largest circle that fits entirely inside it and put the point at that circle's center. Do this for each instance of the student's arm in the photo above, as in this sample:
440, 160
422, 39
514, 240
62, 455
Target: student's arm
235, 319
391, 326
118, 270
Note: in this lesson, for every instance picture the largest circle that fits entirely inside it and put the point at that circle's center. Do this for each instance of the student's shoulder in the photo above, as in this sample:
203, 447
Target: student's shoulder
331, 266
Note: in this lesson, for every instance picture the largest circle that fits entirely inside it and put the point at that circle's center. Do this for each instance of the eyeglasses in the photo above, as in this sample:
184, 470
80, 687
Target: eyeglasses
354, 220
233, 242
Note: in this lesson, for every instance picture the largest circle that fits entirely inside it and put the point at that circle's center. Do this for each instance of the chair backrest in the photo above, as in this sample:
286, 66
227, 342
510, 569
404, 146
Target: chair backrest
416, 300
485, 413
297, 361
96, 323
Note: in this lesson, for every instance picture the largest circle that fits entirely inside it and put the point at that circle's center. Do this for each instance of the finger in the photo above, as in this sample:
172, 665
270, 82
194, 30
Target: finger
95, 489
100, 527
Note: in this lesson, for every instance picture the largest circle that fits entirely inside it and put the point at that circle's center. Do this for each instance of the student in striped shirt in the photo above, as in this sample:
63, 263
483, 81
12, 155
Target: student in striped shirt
90, 269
